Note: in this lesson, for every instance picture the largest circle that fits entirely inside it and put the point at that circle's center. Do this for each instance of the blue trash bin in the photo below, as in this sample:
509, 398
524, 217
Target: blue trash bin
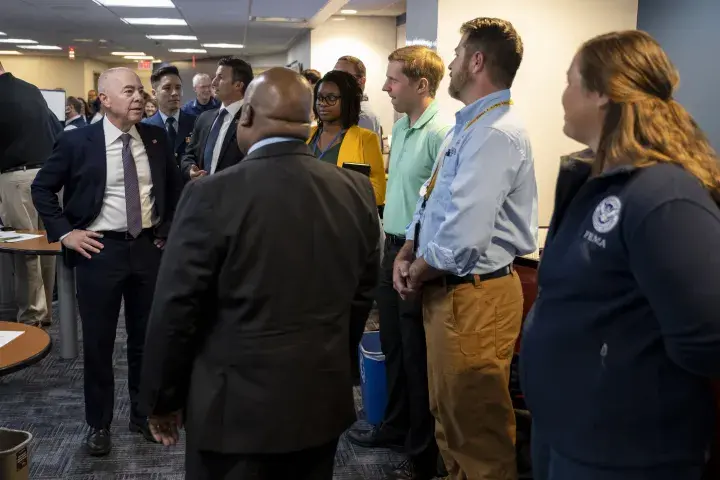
372, 377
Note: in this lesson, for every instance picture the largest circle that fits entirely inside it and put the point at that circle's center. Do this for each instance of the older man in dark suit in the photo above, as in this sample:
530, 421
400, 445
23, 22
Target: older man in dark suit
121, 185
249, 333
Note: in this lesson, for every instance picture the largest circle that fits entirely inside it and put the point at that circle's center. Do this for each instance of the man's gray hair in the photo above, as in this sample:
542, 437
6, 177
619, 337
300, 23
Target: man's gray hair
107, 74
200, 76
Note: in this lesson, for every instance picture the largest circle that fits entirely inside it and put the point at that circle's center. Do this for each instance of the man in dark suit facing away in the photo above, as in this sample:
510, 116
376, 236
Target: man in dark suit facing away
121, 185
167, 88
213, 146
267, 263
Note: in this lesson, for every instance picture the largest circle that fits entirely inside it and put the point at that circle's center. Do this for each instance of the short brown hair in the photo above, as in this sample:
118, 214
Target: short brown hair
359, 65
500, 44
644, 125
420, 62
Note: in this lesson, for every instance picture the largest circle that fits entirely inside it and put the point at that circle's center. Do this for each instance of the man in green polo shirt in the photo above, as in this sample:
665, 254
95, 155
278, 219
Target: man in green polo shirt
413, 76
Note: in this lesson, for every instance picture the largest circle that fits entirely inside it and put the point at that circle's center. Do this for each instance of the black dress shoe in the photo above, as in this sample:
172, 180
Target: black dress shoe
378, 437
143, 429
409, 470
98, 442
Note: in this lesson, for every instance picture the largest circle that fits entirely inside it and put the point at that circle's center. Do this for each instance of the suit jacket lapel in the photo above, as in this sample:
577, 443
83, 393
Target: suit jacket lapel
96, 154
230, 136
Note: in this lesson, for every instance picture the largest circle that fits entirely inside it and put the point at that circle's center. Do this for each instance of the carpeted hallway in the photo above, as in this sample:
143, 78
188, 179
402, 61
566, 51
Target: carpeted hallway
47, 400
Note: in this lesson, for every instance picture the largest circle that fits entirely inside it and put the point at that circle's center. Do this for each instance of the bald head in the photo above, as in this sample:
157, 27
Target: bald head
121, 95
278, 102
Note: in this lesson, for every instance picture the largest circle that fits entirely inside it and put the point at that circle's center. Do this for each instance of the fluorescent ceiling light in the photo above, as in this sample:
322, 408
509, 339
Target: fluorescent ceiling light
83, 40
10, 52
223, 45
16, 40
139, 57
41, 47
348, 12
157, 60
122, 54
155, 21
171, 37
277, 19
136, 3
187, 50
3, 33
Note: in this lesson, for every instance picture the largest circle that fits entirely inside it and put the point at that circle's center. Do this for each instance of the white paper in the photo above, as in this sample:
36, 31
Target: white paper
11, 237
7, 337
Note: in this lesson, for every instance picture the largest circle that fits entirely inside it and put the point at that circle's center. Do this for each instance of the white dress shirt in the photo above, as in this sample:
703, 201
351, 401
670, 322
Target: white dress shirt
232, 110
113, 215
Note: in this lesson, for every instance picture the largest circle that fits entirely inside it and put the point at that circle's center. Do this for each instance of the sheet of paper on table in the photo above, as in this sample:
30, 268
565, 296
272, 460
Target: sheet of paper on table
11, 237
7, 337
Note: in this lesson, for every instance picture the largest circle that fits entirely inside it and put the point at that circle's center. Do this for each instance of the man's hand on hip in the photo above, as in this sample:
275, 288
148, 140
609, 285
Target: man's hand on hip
84, 242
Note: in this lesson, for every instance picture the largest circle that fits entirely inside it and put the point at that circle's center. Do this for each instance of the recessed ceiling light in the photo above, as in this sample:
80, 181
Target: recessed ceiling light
187, 50
171, 37
10, 52
122, 54
16, 40
41, 47
139, 57
136, 3
277, 19
348, 12
223, 45
155, 21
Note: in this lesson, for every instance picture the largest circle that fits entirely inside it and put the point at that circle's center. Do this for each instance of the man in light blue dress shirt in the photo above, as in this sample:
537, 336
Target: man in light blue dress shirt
476, 213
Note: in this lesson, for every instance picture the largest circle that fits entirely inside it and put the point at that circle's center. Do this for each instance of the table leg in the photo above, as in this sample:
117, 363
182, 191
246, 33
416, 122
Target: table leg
68, 313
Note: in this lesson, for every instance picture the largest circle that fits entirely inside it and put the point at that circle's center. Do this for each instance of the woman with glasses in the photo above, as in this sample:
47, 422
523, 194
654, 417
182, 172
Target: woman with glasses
337, 138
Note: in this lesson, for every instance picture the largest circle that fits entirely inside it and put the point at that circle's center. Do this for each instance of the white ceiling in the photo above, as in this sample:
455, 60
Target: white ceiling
63, 22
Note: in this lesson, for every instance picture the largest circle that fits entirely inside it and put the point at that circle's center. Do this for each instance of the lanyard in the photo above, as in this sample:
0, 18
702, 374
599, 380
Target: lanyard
425, 192
431, 186
316, 149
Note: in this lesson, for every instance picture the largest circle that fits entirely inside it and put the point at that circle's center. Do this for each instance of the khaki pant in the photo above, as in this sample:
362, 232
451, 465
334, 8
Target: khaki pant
471, 331
34, 275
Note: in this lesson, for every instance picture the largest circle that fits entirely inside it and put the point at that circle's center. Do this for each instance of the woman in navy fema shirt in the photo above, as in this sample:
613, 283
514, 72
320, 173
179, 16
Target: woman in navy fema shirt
624, 337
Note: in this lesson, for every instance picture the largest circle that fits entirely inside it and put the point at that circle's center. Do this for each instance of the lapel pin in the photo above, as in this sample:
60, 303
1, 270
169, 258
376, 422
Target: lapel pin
154, 141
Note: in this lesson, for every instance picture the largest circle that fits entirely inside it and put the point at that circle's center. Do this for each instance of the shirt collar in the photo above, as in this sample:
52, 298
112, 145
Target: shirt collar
233, 108
165, 117
72, 118
270, 141
112, 133
468, 112
427, 115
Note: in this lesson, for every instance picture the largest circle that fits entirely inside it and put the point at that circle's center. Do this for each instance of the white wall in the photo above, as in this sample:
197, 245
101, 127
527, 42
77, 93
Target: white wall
300, 51
401, 36
371, 39
552, 31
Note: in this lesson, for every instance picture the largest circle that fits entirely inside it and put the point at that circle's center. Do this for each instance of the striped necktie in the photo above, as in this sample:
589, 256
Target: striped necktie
132, 188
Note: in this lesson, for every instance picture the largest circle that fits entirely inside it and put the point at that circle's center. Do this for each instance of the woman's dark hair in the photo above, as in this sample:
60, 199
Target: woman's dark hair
350, 97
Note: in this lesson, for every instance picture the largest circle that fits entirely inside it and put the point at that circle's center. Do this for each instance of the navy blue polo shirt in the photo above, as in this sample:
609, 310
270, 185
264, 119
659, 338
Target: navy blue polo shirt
625, 331
194, 108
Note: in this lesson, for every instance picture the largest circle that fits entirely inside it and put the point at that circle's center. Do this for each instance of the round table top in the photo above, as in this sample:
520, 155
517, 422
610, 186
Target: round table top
34, 246
27, 349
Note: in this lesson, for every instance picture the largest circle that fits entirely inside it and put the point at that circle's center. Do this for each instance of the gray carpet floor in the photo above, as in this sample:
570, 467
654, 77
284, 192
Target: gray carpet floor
47, 400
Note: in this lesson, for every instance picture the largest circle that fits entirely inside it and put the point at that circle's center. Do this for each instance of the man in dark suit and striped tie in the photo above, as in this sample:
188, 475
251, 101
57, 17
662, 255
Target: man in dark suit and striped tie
121, 185
213, 145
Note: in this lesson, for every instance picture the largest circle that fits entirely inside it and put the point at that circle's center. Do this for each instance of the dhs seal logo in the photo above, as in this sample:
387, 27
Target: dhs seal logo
607, 214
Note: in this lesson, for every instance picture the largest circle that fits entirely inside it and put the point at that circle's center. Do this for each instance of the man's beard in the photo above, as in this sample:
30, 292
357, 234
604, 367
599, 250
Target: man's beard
458, 81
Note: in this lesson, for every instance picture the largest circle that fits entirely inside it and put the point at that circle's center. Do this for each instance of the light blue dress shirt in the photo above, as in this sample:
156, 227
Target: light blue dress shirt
176, 125
482, 212
270, 141
368, 119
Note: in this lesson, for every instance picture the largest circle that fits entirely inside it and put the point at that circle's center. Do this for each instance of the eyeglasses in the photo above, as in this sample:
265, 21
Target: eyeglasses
330, 100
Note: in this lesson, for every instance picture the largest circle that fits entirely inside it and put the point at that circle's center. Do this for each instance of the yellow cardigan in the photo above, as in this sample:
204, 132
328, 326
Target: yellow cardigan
363, 146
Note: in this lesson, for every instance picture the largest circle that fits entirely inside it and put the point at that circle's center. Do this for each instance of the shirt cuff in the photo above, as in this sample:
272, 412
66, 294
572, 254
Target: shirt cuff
62, 237
439, 258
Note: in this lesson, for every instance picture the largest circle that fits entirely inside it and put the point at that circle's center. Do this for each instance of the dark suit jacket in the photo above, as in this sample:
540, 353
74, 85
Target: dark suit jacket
27, 126
266, 264
195, 151
185, 130
78, 164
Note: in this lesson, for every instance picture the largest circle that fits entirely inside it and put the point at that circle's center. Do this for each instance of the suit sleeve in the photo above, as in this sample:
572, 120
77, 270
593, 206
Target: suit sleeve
50, 179
372, 155
673, 255
185, 282
192, 151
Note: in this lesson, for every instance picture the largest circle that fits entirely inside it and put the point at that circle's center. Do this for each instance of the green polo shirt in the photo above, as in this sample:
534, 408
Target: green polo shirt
412, 156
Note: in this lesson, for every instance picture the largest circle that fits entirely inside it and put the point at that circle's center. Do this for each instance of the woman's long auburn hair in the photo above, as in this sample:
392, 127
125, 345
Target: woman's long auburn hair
644, 125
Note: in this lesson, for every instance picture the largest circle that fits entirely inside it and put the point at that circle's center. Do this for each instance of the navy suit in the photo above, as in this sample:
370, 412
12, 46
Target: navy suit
126, 268
77, 123
184, 131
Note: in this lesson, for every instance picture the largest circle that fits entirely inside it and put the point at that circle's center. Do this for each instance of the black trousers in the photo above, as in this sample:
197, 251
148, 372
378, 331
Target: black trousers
310, 464
402, 336
124, 269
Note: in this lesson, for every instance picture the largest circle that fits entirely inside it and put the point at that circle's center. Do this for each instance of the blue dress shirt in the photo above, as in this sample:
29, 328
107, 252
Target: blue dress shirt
482, 212
176, 125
